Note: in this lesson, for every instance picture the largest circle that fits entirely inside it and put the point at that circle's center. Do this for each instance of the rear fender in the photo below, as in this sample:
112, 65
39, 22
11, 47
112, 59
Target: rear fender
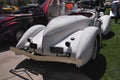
31, 32
105, 27
86, 43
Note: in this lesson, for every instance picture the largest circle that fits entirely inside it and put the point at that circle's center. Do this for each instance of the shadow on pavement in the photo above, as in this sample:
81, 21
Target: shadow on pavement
4, 46
93, 70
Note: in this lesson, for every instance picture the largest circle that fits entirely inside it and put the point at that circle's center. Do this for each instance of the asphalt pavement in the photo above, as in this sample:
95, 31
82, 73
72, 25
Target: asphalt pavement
19, 67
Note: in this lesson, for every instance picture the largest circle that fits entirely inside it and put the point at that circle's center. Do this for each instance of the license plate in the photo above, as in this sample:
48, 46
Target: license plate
57, 50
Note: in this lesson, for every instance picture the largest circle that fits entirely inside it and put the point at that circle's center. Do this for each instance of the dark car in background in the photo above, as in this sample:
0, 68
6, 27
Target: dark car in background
13, 26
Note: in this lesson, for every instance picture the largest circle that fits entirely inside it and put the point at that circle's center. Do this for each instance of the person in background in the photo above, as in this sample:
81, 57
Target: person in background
117, 13
91, 4
62, 7
79, 4
53, 10
68, 7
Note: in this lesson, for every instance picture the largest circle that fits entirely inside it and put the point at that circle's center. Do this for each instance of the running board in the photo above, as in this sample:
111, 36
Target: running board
46, 58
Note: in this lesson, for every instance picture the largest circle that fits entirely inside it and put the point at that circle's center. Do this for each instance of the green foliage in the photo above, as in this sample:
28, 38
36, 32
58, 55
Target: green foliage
22, 2
15, 2
2, 3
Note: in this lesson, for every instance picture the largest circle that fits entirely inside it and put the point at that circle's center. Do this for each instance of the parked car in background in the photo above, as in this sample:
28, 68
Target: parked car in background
113, 9
10, 9
108, 3
13, 26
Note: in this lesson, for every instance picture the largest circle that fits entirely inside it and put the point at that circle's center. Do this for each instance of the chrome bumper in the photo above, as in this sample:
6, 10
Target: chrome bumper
46, 58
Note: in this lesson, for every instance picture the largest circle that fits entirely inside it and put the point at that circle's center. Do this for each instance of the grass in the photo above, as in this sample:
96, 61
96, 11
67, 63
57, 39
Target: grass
111, 52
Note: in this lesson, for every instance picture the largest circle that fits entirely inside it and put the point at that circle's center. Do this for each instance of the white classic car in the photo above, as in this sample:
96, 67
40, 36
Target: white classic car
74, 38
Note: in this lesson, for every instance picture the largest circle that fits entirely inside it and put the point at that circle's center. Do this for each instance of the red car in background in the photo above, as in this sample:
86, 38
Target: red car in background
13, 26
